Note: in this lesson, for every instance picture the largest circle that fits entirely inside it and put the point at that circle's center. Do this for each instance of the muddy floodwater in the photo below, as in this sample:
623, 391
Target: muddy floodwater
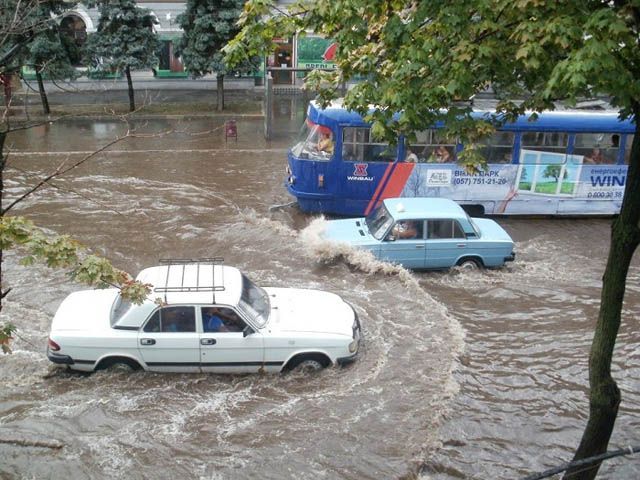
476, 375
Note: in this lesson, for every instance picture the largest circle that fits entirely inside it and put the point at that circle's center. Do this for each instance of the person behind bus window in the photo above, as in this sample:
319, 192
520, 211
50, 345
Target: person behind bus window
325, 144
595, 156
442, 154
411, 157
615, 141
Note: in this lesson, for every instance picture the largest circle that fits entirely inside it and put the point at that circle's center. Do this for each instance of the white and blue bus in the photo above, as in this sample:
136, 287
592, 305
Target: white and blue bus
563, 163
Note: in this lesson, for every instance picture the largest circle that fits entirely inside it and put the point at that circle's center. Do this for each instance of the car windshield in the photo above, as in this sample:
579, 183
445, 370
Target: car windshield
254, 302
379, 222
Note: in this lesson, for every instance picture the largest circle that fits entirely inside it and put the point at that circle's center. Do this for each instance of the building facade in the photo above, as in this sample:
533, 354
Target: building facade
308, 51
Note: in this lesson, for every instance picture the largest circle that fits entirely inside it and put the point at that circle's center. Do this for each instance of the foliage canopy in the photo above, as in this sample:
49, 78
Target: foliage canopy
208, 26
124, 37
422, 57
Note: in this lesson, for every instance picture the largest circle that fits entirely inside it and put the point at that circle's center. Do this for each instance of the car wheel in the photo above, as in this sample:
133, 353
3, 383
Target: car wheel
118, 364
469, 264
308, 364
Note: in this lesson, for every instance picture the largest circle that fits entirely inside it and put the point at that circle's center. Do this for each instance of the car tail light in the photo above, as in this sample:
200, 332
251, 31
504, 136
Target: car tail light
53, 345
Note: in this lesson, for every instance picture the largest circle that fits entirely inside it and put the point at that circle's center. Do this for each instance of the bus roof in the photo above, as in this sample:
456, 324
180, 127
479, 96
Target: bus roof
551, 121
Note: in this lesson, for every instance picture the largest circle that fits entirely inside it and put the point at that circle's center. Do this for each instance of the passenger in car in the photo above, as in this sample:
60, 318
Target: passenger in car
234, 324
212, 321
405, 229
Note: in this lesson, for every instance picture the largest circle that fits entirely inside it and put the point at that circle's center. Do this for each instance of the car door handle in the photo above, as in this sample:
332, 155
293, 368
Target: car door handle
461, 245
420, 246
147, 341
207, 341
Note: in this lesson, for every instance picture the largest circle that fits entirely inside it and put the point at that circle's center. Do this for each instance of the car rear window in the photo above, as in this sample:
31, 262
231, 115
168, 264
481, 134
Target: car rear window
444, 229
120, 307
172, 319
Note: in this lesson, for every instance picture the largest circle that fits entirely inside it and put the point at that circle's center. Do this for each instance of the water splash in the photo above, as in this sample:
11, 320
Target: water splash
326, 251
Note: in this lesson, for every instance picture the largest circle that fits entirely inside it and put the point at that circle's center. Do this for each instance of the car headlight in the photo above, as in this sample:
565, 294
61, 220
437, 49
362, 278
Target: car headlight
353, 346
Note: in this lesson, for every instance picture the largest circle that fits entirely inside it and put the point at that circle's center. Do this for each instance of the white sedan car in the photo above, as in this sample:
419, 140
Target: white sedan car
211, 318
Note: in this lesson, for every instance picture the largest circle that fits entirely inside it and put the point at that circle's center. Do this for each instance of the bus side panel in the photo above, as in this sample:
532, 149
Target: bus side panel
573, 188
360, 182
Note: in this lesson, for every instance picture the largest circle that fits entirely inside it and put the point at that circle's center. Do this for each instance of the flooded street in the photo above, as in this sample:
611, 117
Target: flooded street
462, 375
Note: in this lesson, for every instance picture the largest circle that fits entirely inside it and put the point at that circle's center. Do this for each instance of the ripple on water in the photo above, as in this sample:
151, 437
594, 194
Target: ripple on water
328, 424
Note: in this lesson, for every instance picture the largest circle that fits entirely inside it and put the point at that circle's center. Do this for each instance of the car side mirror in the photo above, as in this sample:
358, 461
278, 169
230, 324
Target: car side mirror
247, 331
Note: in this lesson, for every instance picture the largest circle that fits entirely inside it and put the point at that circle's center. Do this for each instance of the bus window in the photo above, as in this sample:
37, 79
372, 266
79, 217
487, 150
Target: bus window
627, 149
359, 146
599, 148
498, 148
314, 142
431, 147
555, 142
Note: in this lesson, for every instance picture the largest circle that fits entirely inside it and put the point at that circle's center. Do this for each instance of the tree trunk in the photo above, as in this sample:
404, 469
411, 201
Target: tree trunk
43, 93
604, 396
3, 136
220, 91
132, 103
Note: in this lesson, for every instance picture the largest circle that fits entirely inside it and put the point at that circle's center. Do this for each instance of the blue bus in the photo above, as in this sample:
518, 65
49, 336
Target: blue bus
563, 163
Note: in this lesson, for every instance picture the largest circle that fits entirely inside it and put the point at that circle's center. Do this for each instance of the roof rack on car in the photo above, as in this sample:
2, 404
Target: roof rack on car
202, 284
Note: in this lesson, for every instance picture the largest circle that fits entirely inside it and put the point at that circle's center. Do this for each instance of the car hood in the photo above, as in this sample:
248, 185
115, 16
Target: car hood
353, 231
491, 230
85, 310
309, 311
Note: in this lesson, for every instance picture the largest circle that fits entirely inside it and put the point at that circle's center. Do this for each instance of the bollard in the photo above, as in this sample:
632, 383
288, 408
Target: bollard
230, 130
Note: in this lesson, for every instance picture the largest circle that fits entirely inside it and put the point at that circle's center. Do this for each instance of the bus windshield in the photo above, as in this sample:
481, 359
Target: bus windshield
379, 222
314, 142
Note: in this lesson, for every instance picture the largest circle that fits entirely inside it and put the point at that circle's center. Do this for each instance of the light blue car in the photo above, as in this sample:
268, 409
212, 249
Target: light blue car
425, 233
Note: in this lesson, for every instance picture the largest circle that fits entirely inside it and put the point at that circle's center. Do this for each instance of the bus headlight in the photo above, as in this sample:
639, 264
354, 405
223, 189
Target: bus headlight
291, 179
287, 170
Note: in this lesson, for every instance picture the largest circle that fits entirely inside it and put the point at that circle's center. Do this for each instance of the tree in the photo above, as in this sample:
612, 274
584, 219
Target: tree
208, 26
38, 31
48, 56
124, 40
424, 58
553, 171
19, 25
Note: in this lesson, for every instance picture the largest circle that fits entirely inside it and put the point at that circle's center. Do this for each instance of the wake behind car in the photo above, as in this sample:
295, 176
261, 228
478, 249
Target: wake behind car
425, 233
212, 318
